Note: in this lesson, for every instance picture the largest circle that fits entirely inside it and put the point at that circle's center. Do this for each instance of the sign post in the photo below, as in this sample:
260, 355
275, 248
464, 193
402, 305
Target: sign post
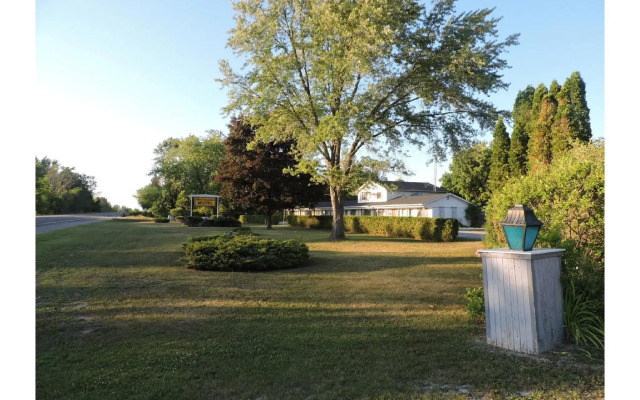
206, 200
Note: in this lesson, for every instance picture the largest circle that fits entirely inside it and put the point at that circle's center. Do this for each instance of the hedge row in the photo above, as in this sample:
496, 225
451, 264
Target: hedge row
260, 219
243, 253
315, 222
218, 221
429, 229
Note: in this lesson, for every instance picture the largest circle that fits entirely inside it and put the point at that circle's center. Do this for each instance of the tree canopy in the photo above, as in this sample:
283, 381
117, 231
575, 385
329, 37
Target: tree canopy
257, 179
182, 167
469, 173
342, 76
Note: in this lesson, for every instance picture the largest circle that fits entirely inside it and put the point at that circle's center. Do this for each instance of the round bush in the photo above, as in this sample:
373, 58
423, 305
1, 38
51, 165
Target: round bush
232, 252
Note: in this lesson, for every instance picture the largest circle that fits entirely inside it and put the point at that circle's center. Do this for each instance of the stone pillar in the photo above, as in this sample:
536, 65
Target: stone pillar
523, 299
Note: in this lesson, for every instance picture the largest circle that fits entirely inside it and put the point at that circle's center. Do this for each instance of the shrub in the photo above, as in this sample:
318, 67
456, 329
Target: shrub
429, 229
243, 253
450, 230
191, 220
135, 212
245, 230
315, 222
177, 212
474, 215
220, 221
567, 196
475, 302
161, 220
260, 219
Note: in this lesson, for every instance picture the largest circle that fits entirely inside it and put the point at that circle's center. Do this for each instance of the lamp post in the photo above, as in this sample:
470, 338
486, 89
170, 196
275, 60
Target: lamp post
522, 291
521, 228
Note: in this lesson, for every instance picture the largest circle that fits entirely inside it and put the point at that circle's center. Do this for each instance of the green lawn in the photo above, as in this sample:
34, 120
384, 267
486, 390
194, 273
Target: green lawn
118, 318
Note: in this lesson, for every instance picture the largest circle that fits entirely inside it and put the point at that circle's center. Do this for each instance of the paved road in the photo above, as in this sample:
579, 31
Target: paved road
473, 234
47, 223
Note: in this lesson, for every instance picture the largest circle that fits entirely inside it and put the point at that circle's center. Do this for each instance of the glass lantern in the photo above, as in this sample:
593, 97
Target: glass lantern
521, 227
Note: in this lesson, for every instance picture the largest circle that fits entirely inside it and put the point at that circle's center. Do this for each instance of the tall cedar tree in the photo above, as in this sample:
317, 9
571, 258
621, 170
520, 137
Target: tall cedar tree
561, 132
520, 136
572, 121
339, 76
536, 104
540, 150
255, 179
554, 89
499, 172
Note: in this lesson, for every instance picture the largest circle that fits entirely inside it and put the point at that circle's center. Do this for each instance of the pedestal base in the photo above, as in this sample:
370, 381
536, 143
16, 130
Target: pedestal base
523, 299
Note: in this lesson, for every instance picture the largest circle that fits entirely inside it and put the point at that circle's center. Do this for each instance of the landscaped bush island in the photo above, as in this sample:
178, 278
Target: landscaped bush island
233, 252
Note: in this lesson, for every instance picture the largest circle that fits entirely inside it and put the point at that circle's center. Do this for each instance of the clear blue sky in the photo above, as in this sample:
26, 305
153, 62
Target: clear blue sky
115, 78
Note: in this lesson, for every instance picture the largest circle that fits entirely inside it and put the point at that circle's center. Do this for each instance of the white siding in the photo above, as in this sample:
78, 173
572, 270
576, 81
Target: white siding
372, 193
448, 204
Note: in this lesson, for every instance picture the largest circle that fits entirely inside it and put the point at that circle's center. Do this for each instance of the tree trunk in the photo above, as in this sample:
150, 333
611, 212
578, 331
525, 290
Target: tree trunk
337, 204
268, 221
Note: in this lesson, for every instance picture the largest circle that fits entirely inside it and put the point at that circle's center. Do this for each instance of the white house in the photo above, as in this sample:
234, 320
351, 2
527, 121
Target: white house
399, 199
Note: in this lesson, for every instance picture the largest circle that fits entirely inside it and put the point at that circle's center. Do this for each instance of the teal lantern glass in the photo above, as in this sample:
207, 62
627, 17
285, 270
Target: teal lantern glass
521, 227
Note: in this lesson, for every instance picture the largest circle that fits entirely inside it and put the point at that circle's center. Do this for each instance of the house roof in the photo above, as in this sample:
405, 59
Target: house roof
414, 186
420, 199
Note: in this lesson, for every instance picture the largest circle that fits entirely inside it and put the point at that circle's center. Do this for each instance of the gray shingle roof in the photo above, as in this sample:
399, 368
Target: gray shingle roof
413, 186
413, 199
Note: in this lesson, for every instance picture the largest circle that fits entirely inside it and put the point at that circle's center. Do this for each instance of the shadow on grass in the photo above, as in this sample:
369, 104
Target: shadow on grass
338, 262
253, 350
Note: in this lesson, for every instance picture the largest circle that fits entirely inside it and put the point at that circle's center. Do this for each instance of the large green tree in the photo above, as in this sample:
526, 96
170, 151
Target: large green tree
183, 167
499, 172
342, 76
469, 172
258, 178
148, 195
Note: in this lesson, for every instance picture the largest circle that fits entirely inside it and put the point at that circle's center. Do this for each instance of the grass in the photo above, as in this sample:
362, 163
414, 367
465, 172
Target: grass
369, 318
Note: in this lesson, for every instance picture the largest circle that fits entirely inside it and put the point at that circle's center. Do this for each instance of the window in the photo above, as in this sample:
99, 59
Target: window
454, 212
441, 212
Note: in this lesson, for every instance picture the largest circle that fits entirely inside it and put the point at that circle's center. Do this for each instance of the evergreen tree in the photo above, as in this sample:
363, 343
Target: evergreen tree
554, 89
579, 122
540, 150
572, 118
518, 153
499, 156
536, 104
561, 132
520, 136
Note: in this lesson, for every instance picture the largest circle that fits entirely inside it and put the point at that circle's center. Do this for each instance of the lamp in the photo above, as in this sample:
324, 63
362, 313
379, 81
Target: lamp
521, 227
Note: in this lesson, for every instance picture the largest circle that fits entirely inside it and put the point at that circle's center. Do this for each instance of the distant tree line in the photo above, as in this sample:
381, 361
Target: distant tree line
62, 190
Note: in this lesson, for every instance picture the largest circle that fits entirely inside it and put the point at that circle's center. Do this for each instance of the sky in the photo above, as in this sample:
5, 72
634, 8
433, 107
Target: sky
115, 78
